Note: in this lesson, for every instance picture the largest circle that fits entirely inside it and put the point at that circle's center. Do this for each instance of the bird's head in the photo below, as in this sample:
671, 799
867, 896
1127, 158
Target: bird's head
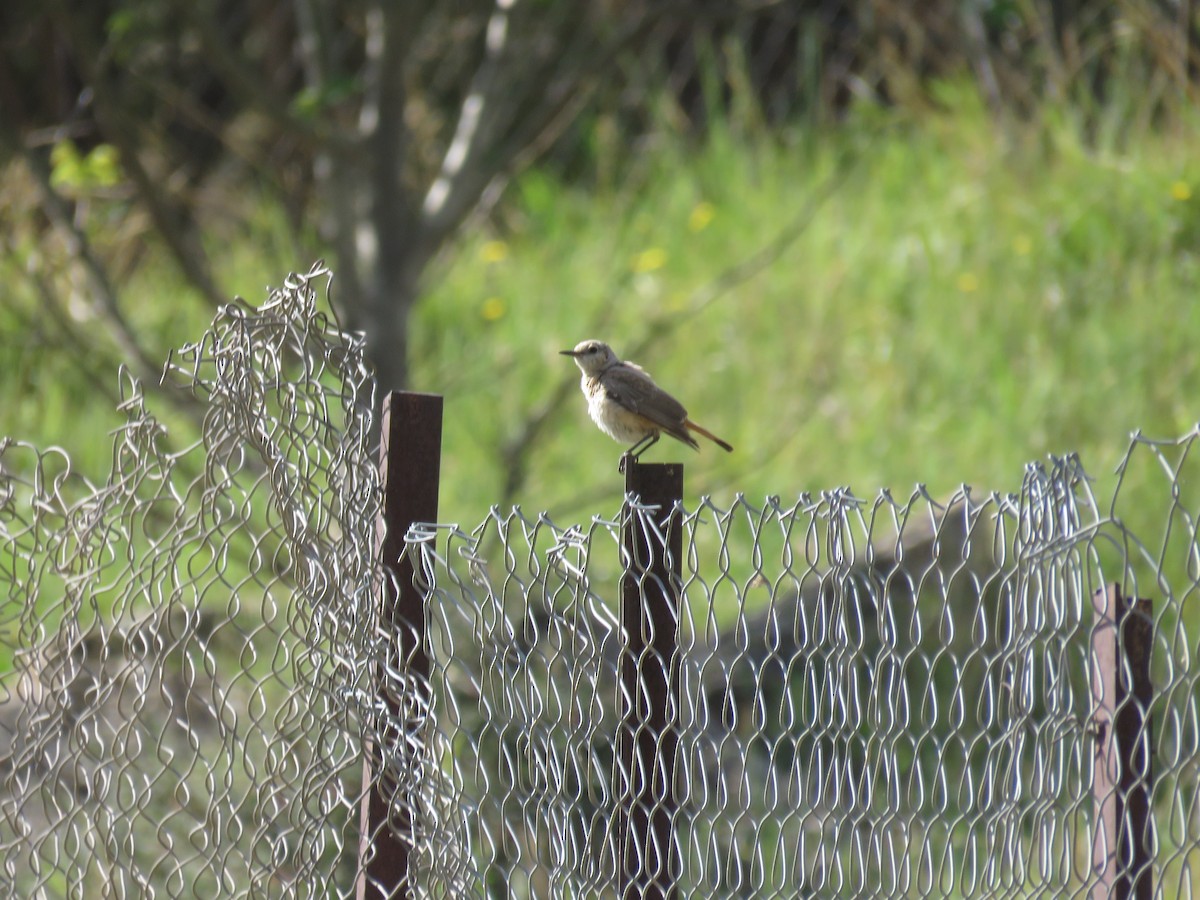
592, 357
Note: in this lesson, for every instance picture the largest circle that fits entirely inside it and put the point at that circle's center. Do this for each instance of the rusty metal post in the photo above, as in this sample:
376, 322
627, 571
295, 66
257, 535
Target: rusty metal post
410, 461
1122, 641
648, 852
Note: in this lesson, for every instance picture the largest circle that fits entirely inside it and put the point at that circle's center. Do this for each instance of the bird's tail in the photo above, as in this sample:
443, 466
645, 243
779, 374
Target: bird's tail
692, 426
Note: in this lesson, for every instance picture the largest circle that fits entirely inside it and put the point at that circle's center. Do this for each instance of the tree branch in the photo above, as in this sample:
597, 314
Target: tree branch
123, 132
248, 84
84, 356
102, 295
461, 179
518, 105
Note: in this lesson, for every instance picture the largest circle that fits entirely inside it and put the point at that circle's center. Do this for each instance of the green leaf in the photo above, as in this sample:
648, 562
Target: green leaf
73, 173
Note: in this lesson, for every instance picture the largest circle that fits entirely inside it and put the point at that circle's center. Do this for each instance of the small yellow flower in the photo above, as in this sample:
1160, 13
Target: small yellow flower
968, 282
1181, 191
1022, 245
649, 260
702, 214
493, 308
494, 252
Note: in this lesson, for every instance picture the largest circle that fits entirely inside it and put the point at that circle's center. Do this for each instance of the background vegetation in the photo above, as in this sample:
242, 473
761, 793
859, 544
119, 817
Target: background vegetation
946, 298
962, 299
868, 244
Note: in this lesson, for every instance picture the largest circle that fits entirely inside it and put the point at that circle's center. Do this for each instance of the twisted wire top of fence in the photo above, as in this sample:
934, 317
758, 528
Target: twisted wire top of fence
883, 697
185, 646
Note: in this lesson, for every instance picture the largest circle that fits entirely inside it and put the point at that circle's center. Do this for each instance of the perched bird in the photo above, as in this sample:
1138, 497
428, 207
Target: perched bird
626, 403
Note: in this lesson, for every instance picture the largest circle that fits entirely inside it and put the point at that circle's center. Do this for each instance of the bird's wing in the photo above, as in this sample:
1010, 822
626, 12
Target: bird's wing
631, 387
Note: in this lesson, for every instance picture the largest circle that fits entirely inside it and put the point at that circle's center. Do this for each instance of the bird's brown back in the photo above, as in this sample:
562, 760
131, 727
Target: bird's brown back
636, 391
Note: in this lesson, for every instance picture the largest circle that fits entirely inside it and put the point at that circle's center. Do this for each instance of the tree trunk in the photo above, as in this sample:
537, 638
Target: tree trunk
381, 240
390, 292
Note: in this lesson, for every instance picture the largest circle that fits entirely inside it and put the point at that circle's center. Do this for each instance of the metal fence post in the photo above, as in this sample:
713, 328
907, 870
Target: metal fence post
410, 461
1122, 641
648, 853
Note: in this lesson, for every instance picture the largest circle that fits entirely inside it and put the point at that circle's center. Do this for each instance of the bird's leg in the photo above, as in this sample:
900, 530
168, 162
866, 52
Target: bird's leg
643, 445
637, 450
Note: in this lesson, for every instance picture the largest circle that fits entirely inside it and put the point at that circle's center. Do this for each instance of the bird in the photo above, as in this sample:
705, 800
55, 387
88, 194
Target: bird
627, 405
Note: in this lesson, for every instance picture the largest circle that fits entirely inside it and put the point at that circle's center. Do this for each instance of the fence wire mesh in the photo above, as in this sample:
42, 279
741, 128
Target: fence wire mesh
182, 647
875, 698
885, 697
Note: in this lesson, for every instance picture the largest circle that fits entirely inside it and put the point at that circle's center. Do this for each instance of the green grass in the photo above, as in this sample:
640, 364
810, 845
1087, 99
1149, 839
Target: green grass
966, 297
966, 300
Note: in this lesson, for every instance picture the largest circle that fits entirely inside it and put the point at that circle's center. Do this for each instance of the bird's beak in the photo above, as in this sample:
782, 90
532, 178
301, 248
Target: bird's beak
568, 352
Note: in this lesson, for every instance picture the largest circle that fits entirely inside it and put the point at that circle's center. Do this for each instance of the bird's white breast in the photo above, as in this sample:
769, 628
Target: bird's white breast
614, 420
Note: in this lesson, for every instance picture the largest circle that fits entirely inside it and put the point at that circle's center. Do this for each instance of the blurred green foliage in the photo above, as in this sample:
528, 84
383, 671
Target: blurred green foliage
75, 172
965, 295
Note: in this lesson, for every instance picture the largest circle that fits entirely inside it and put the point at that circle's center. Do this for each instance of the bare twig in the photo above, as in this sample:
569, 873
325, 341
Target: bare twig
125, 134
103, 295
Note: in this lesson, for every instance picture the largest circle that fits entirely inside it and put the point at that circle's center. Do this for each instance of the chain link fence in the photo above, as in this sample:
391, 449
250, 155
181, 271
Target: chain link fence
886, 697
875, 698
184, 646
